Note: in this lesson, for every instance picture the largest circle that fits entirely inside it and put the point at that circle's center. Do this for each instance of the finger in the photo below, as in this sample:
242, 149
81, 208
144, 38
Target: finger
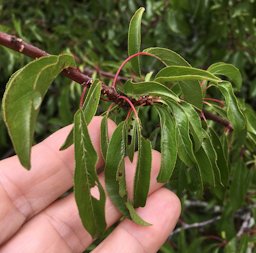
162, 211
60, 226
25, 193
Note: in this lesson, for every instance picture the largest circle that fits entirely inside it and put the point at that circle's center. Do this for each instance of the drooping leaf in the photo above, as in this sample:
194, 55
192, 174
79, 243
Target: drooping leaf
115, 174
134, 38
192, 93
168, 144
114, 160
143, 169
181, 73
104, 140
167, 56
133, 135
195, 124
91, 209
22, 99
221, 158
148, 88
185, 145
89, 108
135, 217
91, 102
69, 140
228, 70
234, 113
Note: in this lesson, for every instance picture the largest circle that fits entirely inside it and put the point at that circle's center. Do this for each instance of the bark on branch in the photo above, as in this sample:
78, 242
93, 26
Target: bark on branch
76, 75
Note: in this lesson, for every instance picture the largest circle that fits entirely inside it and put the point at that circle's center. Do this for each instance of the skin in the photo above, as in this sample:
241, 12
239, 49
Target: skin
34, 219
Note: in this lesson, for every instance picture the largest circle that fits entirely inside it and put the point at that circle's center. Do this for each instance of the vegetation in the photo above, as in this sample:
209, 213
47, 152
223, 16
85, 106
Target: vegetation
209, 107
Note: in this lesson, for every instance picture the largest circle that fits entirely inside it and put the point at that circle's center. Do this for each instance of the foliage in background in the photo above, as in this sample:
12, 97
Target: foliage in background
95, 32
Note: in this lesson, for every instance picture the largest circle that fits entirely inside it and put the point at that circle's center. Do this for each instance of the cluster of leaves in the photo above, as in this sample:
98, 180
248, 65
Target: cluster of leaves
207, 161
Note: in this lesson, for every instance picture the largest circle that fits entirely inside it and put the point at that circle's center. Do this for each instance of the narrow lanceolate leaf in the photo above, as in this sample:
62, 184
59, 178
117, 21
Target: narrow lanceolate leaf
188, 79
69, 140
234, 113
181, 73
206, 161
143, 169
227, 70
104, 140
132, 132
185, 145
89, 108
91, 102
149, 88
221, 158
134, 38
91, 208
23, 97
168, 144
113, 165
115, 175
195, 124
134, 216
167, 56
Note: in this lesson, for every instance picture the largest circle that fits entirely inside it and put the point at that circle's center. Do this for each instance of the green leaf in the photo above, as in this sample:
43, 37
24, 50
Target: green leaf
133, 124
134, 38
22, 99
104, 140
228, 70
91, 209
185, 145
221, 158
187, 78
114, 160
168, 144
234, 113
143, 169
181, 73
192, 93
69, 140
148, 88
167, 56
135, 217
194, 123
91, 102
89, 108
206, 160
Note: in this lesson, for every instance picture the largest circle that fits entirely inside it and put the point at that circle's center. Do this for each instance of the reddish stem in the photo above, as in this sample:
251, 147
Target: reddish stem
216, 101
127, 60
131, 104
82, 96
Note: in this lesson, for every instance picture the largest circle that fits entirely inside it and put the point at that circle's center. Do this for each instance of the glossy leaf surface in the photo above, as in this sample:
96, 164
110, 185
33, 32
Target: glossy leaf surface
91, 209
143, 169
168, 144
149, 88
23, 96
134, 38
227, 70
167, 56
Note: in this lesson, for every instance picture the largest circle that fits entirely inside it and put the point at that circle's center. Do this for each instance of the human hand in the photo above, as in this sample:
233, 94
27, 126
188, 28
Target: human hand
34, 219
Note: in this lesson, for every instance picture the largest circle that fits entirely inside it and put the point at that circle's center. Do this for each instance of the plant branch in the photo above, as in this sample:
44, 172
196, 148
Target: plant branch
186, 226
76, 75
217, 119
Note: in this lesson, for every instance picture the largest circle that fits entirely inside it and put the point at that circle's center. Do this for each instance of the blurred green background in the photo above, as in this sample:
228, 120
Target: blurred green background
95, 32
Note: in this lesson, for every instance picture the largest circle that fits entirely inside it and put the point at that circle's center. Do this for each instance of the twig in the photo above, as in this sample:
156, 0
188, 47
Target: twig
194, 225
216, 118
76, 75
89, 72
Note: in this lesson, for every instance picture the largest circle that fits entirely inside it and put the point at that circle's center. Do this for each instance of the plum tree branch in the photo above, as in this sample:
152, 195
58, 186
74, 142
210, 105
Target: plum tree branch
17, 44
